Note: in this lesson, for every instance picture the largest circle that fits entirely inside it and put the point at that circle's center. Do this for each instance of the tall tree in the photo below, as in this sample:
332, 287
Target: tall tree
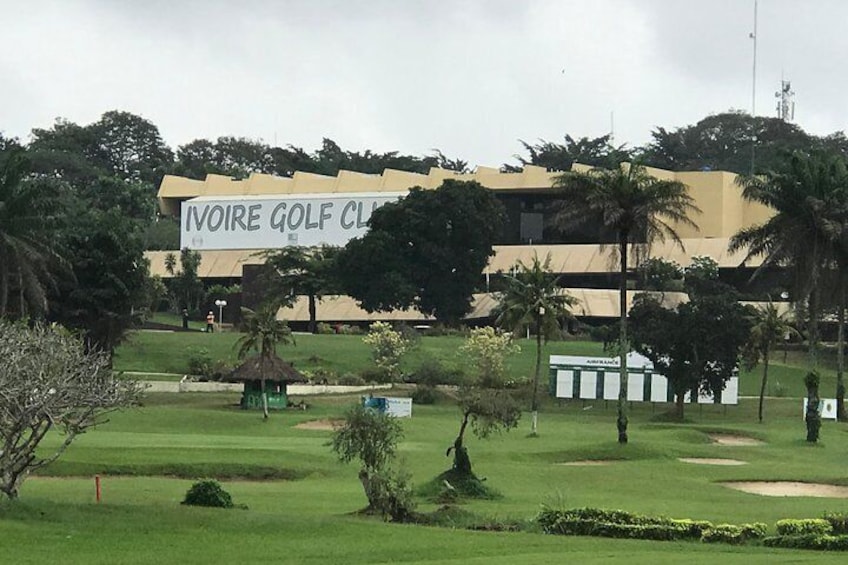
185, 286
130, 147
427, 250
595, 152
684, 344
29, 225
802, 193
639, 209
107, 290
263, 333
299, 271
769, 327
724, 142
533, 298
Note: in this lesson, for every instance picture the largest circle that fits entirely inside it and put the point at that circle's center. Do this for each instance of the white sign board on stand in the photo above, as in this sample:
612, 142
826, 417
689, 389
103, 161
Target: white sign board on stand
597, 378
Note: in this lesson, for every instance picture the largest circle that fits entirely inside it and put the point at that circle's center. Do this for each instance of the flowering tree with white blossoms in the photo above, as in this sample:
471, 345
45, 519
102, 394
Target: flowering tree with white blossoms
387, 348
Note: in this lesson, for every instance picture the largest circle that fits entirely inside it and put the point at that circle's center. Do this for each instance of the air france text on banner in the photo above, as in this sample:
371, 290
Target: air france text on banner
247, 222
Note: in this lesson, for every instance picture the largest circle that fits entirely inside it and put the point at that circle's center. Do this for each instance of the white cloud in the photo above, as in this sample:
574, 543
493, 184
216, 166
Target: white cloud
469, 78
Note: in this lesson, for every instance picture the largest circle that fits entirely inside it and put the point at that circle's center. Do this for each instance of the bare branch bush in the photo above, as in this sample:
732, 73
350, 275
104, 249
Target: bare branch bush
49, 382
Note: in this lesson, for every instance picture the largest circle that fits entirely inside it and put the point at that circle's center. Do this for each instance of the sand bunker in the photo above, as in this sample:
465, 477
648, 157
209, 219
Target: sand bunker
587, 463
733, 440
709, 461
788, 488
320, 425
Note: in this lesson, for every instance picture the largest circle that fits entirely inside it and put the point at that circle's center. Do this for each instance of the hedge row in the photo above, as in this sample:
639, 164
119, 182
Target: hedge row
809, 541
620, 524
805, 527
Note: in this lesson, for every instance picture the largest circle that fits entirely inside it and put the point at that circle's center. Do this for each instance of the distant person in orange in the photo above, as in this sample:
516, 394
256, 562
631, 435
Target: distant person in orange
210, 322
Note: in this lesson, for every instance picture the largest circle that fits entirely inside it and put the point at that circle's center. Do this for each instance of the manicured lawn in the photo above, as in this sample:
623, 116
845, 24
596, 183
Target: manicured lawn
162, 352
308, 519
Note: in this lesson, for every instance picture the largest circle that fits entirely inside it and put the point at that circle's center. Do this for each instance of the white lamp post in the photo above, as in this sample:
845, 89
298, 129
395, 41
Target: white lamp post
220, 304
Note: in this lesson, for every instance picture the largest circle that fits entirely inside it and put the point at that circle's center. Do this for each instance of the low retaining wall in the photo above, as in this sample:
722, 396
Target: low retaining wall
293, 390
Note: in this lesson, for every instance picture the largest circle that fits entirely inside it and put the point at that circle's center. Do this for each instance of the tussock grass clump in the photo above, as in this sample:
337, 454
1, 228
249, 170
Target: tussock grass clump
454, 486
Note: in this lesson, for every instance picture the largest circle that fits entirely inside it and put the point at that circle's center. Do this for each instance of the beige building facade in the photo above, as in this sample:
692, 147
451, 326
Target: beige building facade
723, 212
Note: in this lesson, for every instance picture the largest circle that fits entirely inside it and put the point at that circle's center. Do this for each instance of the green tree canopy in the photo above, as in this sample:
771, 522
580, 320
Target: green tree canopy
427, 250
696, 346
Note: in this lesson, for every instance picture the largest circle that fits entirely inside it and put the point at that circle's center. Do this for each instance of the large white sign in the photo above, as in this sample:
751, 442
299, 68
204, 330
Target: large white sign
263, 222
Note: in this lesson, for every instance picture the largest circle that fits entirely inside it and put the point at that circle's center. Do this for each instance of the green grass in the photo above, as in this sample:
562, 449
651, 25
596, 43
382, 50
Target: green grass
306, 514
157, 352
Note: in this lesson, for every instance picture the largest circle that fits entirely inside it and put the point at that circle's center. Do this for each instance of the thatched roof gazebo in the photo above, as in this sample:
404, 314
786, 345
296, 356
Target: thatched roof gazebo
277, 375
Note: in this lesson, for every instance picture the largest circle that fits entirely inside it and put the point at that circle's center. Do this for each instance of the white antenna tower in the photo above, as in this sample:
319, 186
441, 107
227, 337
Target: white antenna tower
785, 101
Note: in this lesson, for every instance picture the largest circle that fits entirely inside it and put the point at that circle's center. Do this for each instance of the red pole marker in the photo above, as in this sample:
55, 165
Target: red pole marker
97, 487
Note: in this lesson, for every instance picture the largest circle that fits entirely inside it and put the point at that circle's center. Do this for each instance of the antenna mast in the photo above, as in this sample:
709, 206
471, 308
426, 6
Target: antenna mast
785, 101
753, 35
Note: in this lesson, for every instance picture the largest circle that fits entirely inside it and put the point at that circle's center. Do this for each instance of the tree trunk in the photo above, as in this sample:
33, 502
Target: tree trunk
534, 405
621, 420
264, 401
841, 414
813, 327
4, 288
367, 486
461, 462
11, 485
679, 405
313, 315
763, 384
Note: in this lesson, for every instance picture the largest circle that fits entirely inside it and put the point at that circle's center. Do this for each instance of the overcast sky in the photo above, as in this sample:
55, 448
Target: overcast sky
469, 77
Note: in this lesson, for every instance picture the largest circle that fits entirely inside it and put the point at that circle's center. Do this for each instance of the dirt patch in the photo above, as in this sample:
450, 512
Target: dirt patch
588, 463
710, 461
320, 425
788, 488
734, 440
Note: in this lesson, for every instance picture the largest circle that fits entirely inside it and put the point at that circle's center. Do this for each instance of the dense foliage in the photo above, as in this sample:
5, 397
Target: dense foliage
426, 251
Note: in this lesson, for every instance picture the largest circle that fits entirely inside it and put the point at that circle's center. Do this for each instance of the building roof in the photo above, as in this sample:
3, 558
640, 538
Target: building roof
272, 368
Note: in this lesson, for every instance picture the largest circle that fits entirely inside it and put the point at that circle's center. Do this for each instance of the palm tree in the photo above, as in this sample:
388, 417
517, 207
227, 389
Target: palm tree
638, 209
263, 333
801, 234
770, 328
28, 223
533, 298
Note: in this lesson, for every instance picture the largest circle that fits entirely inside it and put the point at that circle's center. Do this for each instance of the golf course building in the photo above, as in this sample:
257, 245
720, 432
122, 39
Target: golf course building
230, 221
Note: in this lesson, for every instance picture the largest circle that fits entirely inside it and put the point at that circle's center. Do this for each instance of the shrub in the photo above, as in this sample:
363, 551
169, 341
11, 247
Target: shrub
324, 328
432, 372
387, 347
809, 526
375, 375
488, 348
390, 495
199, 361
350, 379
809, 541
733, 534
838, 522
208, 492
424, 395
755, 530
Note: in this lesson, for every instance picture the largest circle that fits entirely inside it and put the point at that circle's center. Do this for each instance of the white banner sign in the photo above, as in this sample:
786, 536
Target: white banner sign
277, 221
